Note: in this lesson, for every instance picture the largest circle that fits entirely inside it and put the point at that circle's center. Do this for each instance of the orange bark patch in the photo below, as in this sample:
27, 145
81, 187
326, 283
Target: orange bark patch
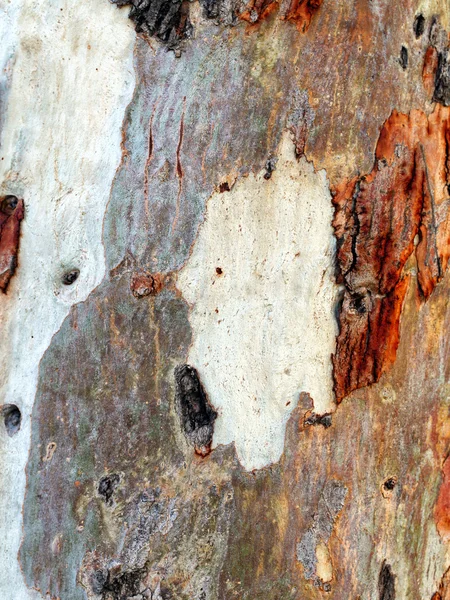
429, 69
442, 507
11, 215
377, 219
258, 10
301, 12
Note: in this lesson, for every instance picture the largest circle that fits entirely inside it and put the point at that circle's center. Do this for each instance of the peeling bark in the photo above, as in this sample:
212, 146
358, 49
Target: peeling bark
382, 218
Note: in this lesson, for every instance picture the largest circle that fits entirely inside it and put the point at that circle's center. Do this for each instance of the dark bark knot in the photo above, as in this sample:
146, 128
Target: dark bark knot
167, 20
386, 583
119, 587
312, 418
12, 418
271, 165
106, 487
419, 25
359, 304
9, 204
404, 58
196, 414
70, 276
390, 483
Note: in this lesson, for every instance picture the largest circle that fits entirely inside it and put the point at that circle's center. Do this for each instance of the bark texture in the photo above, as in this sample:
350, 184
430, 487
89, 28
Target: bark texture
224, 238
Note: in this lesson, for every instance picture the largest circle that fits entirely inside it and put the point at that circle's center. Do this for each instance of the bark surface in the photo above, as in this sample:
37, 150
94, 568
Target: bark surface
224, 238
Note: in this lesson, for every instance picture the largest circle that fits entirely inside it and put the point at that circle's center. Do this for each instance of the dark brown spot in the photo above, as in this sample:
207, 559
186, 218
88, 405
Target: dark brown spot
120, 586
219, 271
358, 305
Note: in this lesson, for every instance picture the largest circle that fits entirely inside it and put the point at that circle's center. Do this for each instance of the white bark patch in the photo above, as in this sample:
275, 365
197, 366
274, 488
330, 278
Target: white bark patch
260, 282
70, 69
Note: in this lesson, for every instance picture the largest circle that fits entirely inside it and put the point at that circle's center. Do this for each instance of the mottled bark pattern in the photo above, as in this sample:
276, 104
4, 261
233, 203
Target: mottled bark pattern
118, 502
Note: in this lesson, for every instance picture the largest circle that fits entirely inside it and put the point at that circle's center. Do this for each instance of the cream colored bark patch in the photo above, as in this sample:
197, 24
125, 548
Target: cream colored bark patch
66, 77
260, 283
324, 566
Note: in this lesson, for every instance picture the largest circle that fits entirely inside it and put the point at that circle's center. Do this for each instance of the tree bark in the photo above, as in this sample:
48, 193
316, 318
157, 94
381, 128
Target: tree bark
224, 237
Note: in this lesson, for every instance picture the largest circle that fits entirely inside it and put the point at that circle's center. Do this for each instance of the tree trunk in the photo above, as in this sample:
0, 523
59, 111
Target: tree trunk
224, 237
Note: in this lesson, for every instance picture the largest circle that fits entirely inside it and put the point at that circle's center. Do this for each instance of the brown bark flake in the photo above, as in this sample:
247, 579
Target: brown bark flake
400, 207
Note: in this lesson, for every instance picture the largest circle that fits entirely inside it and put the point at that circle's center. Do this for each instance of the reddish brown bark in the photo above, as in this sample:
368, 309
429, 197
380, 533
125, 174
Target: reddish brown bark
146, 284
442, 507
258, 10
444, 588
301, 12
11, 215
381, 219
